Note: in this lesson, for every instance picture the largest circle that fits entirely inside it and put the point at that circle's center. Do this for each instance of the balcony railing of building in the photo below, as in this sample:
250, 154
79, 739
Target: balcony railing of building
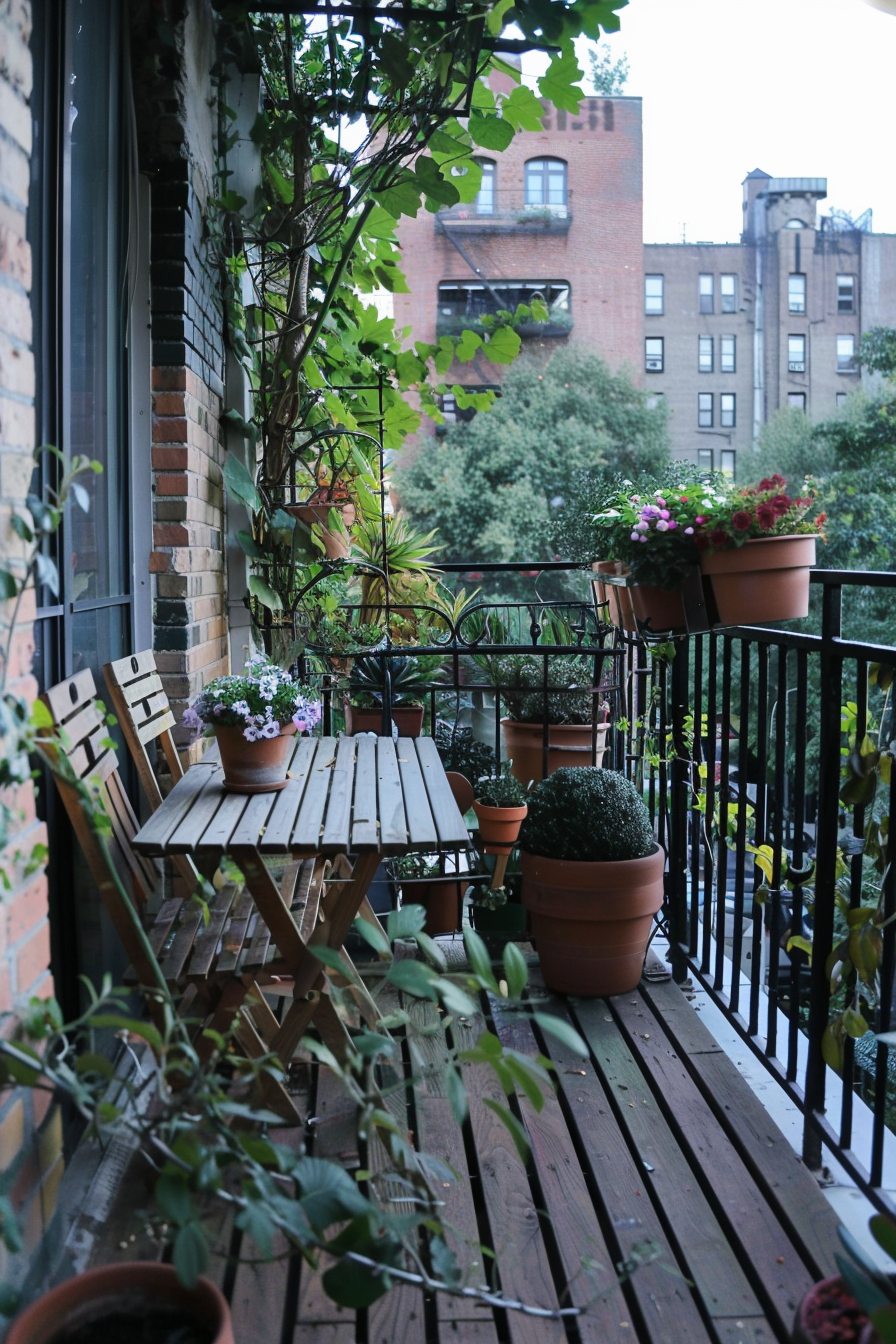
559, 323
506, 212
764, 756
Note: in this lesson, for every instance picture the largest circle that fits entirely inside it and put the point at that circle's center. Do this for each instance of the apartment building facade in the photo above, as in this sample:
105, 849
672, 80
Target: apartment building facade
558, 217
734, 332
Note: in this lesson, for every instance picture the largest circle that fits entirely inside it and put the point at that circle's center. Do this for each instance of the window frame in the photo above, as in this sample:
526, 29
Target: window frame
796, 365
705, 459
660, 357
797, 400
848, 364
540, 169
705, 354
726, 364
796, 293
705, 410
490, 172
706, 292
728, 302
850, 304
728, 462
652, 298
727, 410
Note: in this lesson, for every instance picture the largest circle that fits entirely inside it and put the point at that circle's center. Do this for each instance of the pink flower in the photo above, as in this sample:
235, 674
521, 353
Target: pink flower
689, 531
699, 520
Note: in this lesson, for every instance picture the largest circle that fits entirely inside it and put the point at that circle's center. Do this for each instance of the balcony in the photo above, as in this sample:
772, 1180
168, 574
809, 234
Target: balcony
506, 212
559, 323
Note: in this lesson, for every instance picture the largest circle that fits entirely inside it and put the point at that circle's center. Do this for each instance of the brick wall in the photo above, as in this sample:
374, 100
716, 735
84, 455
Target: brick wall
176, 136
31, 1162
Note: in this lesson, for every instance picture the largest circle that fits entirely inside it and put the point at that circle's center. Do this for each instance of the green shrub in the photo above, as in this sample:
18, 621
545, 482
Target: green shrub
586, 814
502, 790
570, 696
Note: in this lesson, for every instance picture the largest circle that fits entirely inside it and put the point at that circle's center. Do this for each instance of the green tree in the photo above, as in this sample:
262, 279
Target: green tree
607, 77
877, 351
494, 485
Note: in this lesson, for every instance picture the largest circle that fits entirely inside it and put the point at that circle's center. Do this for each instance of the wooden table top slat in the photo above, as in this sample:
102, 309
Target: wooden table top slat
421, 823
154, 836
217, 834
189, 838
289, 801
393, 821
450, 824
253, 820
337, 821
365, 834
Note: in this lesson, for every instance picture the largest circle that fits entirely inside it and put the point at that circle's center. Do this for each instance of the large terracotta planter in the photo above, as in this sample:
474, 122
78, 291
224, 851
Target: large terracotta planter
766, 579
407, 718
440, 898
135, 1288
591, 922
499, 827
254, 767
568, 744
617, 599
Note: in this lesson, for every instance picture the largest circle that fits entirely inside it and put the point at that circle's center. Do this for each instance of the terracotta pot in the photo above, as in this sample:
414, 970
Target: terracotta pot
568, 744
441, 900
829, 1313
660, 608
254, 767
591, 922
408, 718
619, 600
336, 544
766, 579
499, 827
508, 924
132, 1287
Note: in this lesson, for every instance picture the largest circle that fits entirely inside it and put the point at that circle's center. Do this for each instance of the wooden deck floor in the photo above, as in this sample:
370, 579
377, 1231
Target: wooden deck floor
655, 1138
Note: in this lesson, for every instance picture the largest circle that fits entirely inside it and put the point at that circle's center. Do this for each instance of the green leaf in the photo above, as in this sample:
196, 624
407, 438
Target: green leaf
523, 109
455, 999
491, 132
562, 1031
530, 1077
480, 961
515, 970
250, 546
496, 17
173, 1198
883, 1230
431, 181
432, 952
380, 224
8, 585
414, 978
265, 593
240, 483
254, 1220
513, 1127
503, 346
329, 956
559, 84
469, 343
284, 188
349, 1284
190, 1253
457, 1095
406, 922
373, 935
403, 199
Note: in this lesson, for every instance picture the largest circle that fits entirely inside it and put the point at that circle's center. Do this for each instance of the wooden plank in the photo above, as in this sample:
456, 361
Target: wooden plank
205, 946
224, 822
449, 822
725, 1225
153, 837
393, 823
337, 821
253, 821
305, 836
234, 935
365, 833
189, 837
662, 1299
422, 832
774, 1164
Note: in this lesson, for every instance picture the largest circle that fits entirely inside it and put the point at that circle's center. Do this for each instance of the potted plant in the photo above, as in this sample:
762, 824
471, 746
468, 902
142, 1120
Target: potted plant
858, 1305
498, 916
556, 690
592, 880
461, 753
329, 511
409, 679
423, 882
500, 807
756, 546
253, 716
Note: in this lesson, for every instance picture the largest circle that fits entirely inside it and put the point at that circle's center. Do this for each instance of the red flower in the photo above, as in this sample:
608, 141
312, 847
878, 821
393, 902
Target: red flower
718, 537
766, 517
701, 541
780, 504
821, 520
741, 521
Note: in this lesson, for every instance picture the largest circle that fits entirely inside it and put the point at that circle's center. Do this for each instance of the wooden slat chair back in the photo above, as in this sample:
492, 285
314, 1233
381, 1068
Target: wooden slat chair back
140, 702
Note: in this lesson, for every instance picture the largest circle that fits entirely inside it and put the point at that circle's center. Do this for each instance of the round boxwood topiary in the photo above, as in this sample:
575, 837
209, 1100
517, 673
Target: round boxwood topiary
586, 814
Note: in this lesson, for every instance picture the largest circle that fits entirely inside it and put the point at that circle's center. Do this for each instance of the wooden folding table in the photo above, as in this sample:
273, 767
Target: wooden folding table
348, 803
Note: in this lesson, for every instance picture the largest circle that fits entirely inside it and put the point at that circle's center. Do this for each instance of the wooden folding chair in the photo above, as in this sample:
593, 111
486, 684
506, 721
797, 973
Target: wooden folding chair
214, 964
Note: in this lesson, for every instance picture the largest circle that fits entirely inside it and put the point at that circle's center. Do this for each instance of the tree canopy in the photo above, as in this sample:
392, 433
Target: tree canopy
607, 77
494, 485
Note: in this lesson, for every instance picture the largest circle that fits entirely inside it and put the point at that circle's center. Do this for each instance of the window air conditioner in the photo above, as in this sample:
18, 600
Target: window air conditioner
654, 365
798, 367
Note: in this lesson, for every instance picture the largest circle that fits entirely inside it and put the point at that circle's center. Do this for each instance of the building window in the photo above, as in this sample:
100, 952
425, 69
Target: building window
704, 410
706, 293
797, 400
704, 354
546, 185
841, 398
728, 291
846, 354
463, 304
846, 286
796, 294
796, 354
727, 410
794, 224
727, 349
704, 459
485, 200
727, 460
653, 354
653, 294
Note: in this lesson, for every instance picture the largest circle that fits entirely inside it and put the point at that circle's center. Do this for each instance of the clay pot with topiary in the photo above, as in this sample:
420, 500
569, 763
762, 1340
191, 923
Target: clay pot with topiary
592, 880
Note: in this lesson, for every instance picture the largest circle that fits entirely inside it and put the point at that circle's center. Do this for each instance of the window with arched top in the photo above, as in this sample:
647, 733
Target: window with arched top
546, 185
794, 224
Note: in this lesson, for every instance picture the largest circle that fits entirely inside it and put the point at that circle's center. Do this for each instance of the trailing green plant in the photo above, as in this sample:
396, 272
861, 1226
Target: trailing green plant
588, 815
502, 790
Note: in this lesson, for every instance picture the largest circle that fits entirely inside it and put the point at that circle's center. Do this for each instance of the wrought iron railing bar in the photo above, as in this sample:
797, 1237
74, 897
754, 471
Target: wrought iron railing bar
760, 826
855, 900
680, 791
798, 817
724, 808
882, 1082
831, 682
774, 837
714, 760
695, 822
853, 578
662, 772
741, 815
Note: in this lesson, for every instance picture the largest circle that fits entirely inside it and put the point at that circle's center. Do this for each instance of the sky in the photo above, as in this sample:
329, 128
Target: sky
797, 88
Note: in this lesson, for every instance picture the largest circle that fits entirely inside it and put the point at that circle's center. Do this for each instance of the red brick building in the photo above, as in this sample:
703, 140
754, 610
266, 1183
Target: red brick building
559, 217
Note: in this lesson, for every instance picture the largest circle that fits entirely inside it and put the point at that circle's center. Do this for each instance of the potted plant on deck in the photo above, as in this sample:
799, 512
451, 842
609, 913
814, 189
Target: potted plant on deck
254, 716
500, 807
424, 882
556, 690
498, 915
858, 1305
592, 880
410, 678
